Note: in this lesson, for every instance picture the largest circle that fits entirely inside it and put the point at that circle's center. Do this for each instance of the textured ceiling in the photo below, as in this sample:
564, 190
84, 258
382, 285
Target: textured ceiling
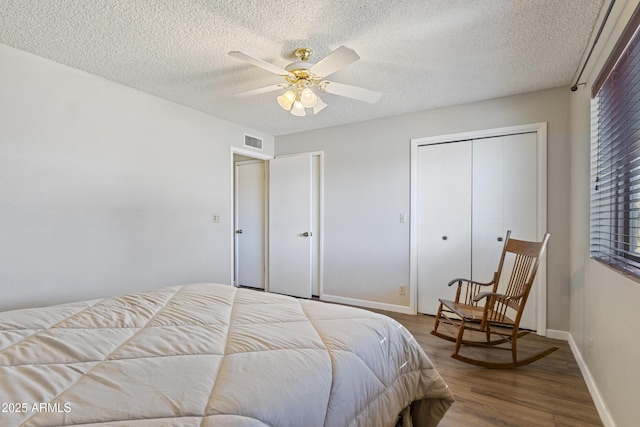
420, 54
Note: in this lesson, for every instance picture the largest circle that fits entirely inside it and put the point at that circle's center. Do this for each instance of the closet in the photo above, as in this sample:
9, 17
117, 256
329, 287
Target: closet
470, 193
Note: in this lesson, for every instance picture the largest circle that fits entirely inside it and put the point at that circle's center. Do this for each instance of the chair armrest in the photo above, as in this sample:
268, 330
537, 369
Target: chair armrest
471, 289
471, 282
491, 294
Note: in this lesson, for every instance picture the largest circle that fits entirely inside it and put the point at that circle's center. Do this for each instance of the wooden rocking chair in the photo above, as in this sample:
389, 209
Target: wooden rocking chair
500, 313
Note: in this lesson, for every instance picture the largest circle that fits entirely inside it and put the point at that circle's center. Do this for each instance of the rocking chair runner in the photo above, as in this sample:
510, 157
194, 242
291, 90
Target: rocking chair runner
467, 313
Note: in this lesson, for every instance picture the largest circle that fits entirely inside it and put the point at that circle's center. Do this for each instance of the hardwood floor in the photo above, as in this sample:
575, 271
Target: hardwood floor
549, 392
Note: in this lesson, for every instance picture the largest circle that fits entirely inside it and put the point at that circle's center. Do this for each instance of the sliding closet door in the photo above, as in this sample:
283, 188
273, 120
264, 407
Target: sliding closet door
488, 206
444, 224
504, 198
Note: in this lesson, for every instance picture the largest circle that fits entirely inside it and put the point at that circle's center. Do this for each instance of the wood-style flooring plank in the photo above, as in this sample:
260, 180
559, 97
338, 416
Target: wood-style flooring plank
548, 393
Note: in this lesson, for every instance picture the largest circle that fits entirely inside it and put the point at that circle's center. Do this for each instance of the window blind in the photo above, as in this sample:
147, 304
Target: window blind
615, 155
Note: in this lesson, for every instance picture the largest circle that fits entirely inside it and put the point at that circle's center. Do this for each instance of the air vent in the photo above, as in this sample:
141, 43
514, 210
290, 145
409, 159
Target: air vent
251, 141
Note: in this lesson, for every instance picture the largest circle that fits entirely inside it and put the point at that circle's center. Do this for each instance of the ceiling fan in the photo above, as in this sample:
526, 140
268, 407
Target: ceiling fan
302, 76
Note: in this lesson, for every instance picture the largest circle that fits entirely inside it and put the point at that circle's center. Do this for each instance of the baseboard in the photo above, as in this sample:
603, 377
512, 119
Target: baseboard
558, 335
603, 411
366, 304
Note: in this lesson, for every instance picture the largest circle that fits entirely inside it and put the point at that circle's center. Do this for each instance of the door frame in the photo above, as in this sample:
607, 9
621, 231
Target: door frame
540, 129
232, 211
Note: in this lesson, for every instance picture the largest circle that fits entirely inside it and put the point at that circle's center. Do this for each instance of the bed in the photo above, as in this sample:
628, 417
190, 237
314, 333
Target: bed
213, 355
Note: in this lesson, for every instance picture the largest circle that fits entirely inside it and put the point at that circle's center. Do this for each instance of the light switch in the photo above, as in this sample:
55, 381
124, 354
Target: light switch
403, 217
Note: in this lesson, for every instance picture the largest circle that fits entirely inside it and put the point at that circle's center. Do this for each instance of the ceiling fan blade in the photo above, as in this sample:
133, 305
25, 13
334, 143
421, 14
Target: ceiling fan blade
349, 91
341, 57
259, 63
261, 90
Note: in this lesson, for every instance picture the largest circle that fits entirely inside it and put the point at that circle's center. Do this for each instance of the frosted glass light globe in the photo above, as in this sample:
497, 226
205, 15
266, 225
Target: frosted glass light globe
286, 100
308, 99
298, 109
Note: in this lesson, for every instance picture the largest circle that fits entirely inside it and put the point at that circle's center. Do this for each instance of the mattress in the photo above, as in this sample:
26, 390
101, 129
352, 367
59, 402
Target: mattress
212, 355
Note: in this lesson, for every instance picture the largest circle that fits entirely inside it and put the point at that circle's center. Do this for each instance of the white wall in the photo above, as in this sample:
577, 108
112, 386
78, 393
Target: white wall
105, 189
604, 303
367, 181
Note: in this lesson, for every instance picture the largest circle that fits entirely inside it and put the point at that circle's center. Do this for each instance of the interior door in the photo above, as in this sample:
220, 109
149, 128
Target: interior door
250, 224
444, 224
290, 225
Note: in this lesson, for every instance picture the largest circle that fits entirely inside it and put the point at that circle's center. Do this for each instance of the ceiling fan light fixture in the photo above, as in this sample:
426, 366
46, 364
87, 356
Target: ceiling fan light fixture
307, 98
301, 77
286, 100
298, 109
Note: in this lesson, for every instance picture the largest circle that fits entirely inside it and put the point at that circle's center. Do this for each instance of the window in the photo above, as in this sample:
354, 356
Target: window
615, 154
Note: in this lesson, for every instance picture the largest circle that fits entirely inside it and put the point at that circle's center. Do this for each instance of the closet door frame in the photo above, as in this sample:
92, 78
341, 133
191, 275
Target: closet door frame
541, 134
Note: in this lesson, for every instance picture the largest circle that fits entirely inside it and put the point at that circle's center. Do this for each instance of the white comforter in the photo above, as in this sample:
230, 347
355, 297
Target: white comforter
212, 355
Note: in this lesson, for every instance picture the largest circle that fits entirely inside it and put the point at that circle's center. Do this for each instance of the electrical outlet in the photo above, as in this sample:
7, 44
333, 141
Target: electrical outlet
215, 218
402, 289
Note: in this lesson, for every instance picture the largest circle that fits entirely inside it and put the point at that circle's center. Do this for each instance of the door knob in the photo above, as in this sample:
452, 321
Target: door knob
444, 237
306, 234
239, 231
499, 239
